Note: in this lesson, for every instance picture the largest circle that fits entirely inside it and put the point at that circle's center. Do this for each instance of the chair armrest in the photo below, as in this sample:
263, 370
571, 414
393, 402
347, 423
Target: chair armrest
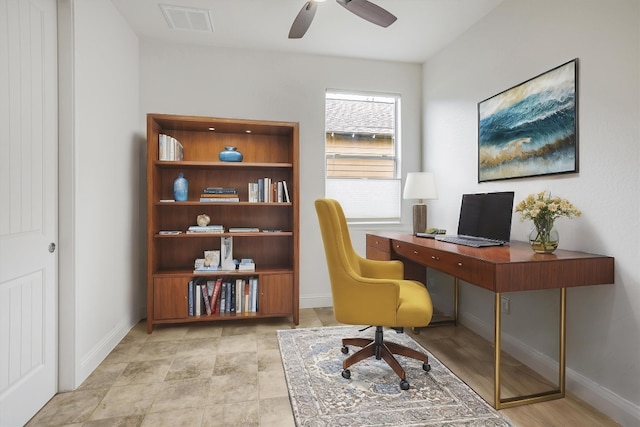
393, 269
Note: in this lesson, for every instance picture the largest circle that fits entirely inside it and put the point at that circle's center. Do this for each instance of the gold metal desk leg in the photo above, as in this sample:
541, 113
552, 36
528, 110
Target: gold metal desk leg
496, 351
500, 403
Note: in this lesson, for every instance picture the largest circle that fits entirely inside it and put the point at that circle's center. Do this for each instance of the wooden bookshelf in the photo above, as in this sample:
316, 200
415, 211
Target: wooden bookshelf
270, 149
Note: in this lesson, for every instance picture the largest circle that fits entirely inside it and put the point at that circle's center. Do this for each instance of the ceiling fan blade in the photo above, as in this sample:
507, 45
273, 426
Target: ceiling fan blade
303, 20
369, 11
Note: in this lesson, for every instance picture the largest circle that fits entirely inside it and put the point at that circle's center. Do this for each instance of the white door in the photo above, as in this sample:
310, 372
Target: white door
28, 208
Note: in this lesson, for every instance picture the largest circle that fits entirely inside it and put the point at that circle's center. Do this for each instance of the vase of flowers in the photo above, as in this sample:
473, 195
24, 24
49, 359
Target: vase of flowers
543, 210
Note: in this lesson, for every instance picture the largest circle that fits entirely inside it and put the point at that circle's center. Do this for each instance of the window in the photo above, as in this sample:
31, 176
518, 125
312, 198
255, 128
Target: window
361, 149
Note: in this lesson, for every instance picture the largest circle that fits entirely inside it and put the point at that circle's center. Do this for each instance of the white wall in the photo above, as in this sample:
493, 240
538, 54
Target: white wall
515, 42
100, 264
207, 81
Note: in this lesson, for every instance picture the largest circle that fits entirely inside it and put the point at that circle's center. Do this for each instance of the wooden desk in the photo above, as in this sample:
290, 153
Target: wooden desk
510, 268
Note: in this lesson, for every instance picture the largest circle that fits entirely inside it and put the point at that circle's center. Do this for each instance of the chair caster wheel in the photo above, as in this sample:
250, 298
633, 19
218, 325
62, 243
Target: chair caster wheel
345, 349
426, 367
346, 374
404, 385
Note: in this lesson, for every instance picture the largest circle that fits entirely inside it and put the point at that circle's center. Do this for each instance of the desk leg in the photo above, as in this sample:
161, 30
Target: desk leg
496, 351
500, 403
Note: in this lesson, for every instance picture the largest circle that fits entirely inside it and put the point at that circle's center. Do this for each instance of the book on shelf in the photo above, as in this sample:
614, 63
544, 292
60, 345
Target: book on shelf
205, 229
261, 190
219, 190
215, 298
218, 196
205, 297
239, 294
245, 301
190, 291
169, 148
207, 270
253, 192
244, 230
223, 298
285, 189
231, 302
253, 294
197, 299
219, 199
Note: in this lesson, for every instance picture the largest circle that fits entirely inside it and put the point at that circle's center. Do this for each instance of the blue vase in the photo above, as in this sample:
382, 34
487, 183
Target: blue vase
230, 154
180, 188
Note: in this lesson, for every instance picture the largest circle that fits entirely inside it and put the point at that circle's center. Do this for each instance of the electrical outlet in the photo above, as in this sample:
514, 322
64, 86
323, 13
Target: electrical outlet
505, 306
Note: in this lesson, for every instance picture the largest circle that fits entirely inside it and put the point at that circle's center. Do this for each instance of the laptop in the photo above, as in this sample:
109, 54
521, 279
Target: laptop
485, 220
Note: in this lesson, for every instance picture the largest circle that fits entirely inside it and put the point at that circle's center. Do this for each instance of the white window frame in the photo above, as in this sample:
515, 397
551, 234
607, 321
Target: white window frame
368, 200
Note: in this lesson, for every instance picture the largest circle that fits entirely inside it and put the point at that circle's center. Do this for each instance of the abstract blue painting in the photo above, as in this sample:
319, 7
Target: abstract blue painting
530, 129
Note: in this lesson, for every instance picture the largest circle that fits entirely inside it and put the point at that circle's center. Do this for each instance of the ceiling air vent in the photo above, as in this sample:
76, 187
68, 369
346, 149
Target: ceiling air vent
187, 19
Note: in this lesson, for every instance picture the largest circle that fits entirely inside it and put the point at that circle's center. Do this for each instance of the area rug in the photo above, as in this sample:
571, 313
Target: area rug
320, 396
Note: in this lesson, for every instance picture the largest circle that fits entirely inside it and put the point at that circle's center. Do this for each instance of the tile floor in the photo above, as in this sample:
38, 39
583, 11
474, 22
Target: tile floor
206, 374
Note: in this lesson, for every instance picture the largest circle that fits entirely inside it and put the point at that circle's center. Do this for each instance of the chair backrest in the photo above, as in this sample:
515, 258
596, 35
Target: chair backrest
344, 269
335, 236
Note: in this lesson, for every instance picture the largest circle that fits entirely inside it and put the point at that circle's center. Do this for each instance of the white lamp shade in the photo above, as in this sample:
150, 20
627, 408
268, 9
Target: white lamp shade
420, 185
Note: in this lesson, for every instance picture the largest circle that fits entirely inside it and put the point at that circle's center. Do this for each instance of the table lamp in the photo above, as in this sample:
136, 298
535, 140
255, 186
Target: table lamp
421, 186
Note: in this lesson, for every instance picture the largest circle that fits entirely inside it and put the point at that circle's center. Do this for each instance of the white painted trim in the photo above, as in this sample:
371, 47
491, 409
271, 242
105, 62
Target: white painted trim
93, 358
67, 162
313, 301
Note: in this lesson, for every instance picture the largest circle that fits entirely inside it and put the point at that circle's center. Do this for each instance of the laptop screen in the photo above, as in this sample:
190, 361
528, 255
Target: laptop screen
486, 215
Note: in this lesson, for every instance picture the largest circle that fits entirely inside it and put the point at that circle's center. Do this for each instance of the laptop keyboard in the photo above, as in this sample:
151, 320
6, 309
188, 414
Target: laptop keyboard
469, 241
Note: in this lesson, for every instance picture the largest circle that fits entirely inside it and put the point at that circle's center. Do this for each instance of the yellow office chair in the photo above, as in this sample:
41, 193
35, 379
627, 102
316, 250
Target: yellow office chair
368, 292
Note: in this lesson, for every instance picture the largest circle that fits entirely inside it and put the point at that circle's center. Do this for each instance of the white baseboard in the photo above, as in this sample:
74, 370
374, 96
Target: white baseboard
316, 301
90, 361
601, 398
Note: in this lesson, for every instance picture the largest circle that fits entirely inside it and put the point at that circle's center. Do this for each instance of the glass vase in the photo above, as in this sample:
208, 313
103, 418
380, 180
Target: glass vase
180, 188
544, 240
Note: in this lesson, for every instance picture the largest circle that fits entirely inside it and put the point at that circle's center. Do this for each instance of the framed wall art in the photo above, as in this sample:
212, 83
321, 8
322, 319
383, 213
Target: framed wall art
530, 129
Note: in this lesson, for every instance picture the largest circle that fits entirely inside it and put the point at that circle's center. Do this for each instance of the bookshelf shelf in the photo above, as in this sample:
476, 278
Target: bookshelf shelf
230, 204
220, 165
270, 151
260, 235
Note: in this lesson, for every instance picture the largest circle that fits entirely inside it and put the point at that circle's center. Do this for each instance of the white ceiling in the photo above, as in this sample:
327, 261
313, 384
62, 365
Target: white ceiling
422, 29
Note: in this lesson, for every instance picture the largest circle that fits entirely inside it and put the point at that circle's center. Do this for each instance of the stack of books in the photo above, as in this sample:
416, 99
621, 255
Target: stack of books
205, 229
244, 230
219, 194
247, 264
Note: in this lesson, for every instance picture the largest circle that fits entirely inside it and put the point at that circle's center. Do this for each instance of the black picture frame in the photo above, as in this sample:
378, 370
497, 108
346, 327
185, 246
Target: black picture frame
531, 129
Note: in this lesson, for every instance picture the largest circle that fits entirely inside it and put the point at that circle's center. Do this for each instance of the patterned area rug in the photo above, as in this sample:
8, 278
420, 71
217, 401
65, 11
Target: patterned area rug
320, 396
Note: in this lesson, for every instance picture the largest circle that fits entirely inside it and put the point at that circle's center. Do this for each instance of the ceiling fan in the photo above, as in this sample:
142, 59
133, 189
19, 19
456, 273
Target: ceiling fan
363, 8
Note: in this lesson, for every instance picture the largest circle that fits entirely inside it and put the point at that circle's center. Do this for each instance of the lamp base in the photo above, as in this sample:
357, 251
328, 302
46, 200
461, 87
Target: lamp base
419, 218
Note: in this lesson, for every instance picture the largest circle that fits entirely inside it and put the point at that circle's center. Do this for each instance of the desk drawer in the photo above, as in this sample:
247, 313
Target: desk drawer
470, 270
378, 248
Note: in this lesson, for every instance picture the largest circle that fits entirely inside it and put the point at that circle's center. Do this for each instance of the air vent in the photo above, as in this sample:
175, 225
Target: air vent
187, 19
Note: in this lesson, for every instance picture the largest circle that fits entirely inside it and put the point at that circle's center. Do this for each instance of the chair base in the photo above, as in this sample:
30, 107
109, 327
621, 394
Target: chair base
382, 350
